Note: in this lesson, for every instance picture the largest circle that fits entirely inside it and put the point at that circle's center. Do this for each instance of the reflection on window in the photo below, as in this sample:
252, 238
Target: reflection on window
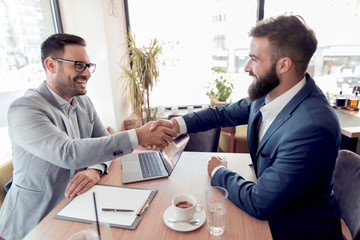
336, 64
23, 26
197, 36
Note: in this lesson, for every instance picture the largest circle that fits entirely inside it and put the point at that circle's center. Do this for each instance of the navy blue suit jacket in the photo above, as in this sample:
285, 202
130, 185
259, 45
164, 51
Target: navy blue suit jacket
294, 163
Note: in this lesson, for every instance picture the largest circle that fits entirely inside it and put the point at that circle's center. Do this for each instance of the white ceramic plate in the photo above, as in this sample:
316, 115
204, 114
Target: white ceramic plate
183, 226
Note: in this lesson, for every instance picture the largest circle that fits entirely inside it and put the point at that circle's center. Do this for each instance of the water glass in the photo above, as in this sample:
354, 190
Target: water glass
92, 233
216, 202
105, 231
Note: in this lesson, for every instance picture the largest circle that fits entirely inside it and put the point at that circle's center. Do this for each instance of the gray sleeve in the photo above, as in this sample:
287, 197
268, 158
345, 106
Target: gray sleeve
35, 130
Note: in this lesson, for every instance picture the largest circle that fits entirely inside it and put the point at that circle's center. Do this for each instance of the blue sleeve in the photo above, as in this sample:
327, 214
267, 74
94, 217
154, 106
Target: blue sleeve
219, 116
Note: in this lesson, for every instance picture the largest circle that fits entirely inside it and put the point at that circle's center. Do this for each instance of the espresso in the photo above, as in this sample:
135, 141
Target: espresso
183, 204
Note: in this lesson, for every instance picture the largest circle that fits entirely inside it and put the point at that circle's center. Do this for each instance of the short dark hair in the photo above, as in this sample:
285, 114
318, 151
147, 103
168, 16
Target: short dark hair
289, 36
54, 45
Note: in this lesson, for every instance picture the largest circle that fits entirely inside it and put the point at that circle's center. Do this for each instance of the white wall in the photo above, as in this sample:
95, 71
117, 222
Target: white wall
102, 24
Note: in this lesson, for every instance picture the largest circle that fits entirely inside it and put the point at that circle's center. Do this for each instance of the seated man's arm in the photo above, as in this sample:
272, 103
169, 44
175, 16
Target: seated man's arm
300, 166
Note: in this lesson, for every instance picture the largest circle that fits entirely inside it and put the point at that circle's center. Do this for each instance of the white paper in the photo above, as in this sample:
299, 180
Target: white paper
82, 207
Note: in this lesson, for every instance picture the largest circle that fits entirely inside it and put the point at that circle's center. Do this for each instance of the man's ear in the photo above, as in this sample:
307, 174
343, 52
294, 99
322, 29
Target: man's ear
50, 65
283, 64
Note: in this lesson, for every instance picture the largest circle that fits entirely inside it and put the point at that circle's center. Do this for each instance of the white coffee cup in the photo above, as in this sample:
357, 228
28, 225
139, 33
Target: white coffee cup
185, 207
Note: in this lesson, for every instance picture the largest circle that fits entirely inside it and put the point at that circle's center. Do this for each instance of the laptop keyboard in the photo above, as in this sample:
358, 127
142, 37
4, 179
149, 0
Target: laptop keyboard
150, 165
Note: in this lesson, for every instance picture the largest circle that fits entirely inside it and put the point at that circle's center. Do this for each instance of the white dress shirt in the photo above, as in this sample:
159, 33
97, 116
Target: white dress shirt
273, 107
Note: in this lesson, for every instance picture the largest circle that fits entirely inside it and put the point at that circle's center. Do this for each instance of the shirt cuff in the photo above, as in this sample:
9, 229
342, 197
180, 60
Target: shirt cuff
99, 167
133, 138
182, 124
215, 169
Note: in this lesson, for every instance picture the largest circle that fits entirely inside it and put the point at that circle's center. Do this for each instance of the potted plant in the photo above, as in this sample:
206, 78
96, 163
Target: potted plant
220, 89
141, 75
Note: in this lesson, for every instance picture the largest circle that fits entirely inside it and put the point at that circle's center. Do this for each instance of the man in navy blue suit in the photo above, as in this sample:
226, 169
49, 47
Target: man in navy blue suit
293, 136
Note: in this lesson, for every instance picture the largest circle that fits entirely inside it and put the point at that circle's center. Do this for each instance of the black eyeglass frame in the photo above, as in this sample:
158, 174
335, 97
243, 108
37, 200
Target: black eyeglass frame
79, 63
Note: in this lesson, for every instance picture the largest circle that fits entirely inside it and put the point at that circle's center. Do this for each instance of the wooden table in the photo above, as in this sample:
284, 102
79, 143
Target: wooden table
350, 128
189, 176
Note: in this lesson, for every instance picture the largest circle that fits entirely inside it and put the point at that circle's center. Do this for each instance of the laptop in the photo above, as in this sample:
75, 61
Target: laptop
149, 165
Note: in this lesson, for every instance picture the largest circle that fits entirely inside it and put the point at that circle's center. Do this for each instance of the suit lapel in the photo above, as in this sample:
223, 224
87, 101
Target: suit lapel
47, 95
82, 122
255, 108
275, 125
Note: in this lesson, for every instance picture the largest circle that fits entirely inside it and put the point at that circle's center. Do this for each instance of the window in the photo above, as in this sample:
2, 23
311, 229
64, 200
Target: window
196, 36
23, 26
200, 34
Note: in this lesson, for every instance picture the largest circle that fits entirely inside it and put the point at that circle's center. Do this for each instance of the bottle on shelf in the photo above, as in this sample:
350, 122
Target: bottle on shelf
340, 100
353, 101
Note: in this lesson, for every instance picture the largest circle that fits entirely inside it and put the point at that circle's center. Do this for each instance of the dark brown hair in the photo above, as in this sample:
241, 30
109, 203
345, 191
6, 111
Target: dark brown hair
54, 45
289, 36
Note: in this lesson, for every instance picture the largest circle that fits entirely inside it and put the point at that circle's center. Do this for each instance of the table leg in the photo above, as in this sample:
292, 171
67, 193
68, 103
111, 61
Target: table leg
348, 143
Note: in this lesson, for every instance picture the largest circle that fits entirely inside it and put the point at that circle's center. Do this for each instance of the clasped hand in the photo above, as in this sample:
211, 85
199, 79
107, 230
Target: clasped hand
156, 135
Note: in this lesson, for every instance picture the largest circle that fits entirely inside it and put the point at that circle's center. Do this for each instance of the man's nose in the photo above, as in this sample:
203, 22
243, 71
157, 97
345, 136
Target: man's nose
86, 73
248, 66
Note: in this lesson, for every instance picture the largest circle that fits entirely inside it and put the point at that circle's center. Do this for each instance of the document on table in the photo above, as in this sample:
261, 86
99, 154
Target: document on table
82, 209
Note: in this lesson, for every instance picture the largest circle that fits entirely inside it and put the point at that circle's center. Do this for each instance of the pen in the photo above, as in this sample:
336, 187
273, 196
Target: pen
116, 210
97, 218
143, 207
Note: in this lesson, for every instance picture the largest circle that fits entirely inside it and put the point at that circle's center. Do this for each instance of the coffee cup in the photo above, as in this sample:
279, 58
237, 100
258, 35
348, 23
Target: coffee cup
185, 206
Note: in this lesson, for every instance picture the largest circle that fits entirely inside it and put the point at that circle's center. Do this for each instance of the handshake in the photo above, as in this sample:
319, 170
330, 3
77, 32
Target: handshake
157, 134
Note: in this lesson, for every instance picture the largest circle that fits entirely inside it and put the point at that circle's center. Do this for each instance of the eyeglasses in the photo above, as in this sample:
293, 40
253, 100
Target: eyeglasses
79, 66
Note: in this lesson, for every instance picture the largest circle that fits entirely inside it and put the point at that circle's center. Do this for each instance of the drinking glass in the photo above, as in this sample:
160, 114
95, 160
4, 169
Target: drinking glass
216, 202
105, 230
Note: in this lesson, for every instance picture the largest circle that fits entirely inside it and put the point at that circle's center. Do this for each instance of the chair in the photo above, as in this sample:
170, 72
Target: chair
207, 141
6, 171
234, 139
347, 190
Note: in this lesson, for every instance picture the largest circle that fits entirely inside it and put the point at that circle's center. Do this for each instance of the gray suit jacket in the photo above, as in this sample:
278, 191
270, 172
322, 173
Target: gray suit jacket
45, 158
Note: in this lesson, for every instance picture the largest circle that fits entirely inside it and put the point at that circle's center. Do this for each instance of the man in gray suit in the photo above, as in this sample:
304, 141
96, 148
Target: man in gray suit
57, 135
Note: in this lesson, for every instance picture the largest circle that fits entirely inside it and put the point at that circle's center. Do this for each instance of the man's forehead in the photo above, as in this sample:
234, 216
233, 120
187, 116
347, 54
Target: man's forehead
260, 47
76, 51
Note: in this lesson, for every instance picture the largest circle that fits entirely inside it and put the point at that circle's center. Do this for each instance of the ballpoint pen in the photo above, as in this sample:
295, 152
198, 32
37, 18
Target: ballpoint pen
143, 207
116, 210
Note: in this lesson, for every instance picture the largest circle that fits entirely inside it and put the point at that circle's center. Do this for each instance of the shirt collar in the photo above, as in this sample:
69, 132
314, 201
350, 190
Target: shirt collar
274, 107
62, 102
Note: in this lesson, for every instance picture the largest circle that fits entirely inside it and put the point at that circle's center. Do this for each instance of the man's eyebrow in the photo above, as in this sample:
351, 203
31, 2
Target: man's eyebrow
253, 56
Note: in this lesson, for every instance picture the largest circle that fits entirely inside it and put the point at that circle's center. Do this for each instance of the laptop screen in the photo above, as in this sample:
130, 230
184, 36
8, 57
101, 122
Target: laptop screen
173, 152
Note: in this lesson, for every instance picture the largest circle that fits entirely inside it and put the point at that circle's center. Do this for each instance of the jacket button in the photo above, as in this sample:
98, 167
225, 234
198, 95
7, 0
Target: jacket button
114, 154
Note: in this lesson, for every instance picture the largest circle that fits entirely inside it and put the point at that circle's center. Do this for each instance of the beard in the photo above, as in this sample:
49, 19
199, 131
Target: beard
69, 87
263, 84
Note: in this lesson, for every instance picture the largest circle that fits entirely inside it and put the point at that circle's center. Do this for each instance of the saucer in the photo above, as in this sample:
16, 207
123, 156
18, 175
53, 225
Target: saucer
183, 226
